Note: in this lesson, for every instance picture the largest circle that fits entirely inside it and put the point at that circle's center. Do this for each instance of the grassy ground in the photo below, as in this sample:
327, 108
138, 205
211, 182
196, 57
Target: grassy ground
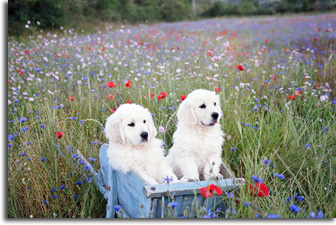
279, 112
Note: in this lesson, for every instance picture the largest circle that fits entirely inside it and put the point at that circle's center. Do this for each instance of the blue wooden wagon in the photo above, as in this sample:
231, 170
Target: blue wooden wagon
140, 200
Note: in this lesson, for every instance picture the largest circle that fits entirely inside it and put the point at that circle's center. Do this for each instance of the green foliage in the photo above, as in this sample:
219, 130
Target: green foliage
66, 13
246, 8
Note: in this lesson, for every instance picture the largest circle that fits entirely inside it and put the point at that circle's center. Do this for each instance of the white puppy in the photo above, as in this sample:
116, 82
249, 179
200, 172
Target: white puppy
198, 138
133, 146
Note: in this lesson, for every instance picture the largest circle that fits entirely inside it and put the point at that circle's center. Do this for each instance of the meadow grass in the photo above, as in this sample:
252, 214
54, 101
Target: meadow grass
267, 131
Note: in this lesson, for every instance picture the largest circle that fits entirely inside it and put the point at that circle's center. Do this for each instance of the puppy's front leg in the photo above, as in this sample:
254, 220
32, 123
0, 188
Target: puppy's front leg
211, 170
189, 170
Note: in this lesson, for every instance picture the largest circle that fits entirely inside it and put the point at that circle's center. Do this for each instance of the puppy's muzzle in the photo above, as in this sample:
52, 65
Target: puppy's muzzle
144, 136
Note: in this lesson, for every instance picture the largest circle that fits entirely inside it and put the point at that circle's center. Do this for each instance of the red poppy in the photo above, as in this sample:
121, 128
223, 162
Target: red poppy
291, 97
209, 54
26, 52
210, 190
71, 98
259, 189
178, 48
327, 30
110, 97
215, 189
266, 40
59, 135
274, 78
128, 102
183, 97
128, 84
239, 67
205, 192
75, 111
162, 95
151, 95
318, 85
8, 81
315, 39
110, 84
299, 92
319, 29
217, 89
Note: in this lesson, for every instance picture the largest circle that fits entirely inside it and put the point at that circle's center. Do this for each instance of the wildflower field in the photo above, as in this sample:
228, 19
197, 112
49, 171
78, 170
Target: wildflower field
276, 77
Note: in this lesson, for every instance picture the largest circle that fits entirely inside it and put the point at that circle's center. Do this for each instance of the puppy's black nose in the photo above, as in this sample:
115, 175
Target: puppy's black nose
144, 135
214, 115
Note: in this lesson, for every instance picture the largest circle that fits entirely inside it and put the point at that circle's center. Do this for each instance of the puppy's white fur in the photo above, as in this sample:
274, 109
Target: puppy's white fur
128, 151
198, 140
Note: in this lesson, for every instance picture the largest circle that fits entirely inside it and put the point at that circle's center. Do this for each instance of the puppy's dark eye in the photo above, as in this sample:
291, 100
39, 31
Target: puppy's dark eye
131, 124
202, 106
214, 103
144, 121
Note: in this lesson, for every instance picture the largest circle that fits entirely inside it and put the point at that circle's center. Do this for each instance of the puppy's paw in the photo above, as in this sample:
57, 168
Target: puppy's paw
219, 177
187, 179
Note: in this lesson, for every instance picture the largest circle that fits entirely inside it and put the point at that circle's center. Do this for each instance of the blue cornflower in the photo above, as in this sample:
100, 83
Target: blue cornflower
28, 143
173, 204
308, 146
288, 199
89, 180
53, 189
265, 161
54, 196
75, 196
117, 208
42, 125
167, 179
62, 187
248, 124
44, 202
281, 176
273, 215
94, 142
43, 159
295, 208
275, 175
256, 99
78, 183
313, 214
38, 117
233, 149
86, 167
38, 69
254, 177
229, 194
247, 204
92, 159
9, 145
23, 154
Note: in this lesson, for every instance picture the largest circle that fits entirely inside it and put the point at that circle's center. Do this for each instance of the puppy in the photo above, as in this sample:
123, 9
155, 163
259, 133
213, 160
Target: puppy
198, 138
133, 146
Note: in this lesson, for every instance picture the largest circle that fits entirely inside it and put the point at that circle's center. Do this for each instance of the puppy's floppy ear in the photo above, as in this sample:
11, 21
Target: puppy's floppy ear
152, 131
113, 130
186, 114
